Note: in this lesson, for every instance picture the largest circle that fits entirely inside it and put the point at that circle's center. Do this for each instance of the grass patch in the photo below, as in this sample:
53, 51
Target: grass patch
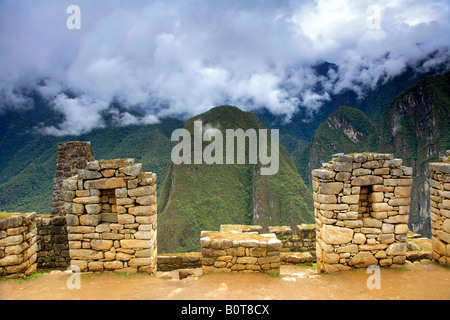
30, 277
6, 215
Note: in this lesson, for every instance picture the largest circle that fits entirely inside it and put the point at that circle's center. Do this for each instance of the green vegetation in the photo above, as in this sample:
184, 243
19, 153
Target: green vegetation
202, 197
28, 172
346, 130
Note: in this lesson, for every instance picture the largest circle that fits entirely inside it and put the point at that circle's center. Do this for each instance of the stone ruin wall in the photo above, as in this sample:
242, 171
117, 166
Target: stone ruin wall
240, 252
71, 157
18, 245
362, 211
361, 207
110, 211
440, 209
53, 247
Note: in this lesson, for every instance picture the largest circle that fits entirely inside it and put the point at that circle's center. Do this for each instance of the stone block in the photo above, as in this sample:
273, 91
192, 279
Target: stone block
135, 244
363, 260
89, 219
141, 191
142, 210
331, 188
367, 180
336, 235
353, 199
87, 200
93, 208
105, 183
101, 245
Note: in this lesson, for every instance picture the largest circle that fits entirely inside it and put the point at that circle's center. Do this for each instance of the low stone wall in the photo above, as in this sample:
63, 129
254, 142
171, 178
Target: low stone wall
362, 211
53, 247
240, 252
241, 228
111, 217
440, 209
18, 245
303, 241
174, 261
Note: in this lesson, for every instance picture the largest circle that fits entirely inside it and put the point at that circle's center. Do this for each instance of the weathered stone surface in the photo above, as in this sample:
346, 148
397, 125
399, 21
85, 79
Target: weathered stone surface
381, 207
443, 236
89, 175
131, 170
361, 172
400, 202
105, 183
336, 235
438, 246
394, 163
402, 192
335, 206
72, 220
342, 166
85, 254
327, 198
135, 244
87, 200
367, 180
376, 197
93, 208
141, 191
353, 199
396, 249
363, 260
11, 222
323, 174
343, 176
372, 164
89, 219
331, 187
101, 245
371, 222
125, 218
142, 210
397, 182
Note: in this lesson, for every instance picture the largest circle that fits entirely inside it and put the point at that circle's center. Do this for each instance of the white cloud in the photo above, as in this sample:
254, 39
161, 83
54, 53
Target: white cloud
184, 57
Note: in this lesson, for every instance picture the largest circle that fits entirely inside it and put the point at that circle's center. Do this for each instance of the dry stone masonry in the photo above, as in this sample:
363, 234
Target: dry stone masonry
362, 211
53, 248
240, 252
71, 157
18, 245
110, 212
440, 209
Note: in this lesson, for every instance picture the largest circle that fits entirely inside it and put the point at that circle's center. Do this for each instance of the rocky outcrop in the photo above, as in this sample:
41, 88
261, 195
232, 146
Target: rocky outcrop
416, 127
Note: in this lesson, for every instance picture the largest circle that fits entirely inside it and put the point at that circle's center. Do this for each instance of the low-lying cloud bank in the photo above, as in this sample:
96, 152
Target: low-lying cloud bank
184, 57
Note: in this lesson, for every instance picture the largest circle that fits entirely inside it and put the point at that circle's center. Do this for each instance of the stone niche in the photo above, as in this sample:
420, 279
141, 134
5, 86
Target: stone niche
440, 209
362, 204
110, 213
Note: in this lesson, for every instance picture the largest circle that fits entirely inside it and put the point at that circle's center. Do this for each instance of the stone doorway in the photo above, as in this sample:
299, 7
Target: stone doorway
362, 211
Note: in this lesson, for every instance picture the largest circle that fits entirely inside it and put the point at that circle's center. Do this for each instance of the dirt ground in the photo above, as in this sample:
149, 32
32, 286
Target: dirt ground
415, 281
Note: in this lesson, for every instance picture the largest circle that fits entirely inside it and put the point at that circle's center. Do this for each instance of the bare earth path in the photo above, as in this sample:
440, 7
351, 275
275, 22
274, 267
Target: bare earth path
416, 281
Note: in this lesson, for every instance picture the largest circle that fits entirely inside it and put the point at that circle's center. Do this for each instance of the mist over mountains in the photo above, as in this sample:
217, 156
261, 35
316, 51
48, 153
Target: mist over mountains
182, 58
332, 76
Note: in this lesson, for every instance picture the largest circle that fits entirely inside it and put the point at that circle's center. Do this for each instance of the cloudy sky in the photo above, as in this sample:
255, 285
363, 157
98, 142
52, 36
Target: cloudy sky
183, 57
